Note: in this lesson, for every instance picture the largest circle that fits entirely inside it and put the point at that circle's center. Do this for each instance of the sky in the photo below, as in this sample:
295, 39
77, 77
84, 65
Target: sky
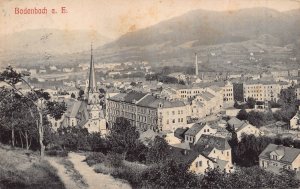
113, 18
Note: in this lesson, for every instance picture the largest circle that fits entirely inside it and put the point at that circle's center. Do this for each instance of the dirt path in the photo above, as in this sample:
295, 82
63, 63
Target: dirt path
93, 179
63, 174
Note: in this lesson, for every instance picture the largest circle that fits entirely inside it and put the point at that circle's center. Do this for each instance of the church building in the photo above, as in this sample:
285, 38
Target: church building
87, 113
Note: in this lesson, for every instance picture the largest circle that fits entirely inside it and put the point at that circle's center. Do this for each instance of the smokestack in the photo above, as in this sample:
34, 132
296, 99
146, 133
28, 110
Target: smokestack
196, 64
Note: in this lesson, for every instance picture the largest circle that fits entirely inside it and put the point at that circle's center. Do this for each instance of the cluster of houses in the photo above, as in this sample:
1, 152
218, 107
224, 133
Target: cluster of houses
173, 112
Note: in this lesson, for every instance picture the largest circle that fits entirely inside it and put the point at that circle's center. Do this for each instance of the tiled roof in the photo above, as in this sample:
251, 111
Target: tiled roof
290, 154
183, 146
263, 82
235, 122
208, 94
207, 143
154, 102
75, 108
179, 132
215, 88
183, 156
133, 96
195, 129
221, 163
245, 124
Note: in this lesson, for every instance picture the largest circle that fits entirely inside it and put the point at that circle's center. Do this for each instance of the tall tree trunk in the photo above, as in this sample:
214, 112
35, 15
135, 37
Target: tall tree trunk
21, 139
26, 140
13, 136
41, 135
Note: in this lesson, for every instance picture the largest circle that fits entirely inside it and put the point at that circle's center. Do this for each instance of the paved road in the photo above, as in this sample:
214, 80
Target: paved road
93, 179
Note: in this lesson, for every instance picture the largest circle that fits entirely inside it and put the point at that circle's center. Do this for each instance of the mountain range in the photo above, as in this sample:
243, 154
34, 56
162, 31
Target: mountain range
177, 39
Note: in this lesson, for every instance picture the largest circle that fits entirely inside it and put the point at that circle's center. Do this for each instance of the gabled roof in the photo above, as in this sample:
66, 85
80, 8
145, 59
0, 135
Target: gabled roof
183, 146
235, 122
221, 163
195, 129
290, 154
183, 156
207, 143
179, 132
74, 109
245, 124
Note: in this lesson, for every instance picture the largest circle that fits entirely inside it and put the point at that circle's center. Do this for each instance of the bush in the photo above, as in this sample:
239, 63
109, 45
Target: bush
57, 151
95, 158
114, 159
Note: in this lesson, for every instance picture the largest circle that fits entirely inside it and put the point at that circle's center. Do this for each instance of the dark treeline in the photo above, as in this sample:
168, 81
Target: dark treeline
245, 153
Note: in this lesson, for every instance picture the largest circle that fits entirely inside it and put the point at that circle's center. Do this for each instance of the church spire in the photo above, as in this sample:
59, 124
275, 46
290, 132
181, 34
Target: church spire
92, 87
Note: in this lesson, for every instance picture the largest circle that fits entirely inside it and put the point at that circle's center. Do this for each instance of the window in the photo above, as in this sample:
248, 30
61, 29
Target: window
167, 121
200, 163
173, 112
173, 121
227, 153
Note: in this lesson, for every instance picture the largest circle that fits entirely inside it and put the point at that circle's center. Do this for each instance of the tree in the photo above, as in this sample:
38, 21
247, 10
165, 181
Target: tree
242, 115
123, 137
249, 177
251, 102
73, 95
256, 118
36, 101
170, 175
287, 96
158, 151
81, 94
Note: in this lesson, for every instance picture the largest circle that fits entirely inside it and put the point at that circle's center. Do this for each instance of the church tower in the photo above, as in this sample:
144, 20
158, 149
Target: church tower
96, 121
91, 92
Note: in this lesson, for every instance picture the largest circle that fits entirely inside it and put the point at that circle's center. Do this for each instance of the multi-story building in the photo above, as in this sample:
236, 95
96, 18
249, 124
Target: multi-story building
262, 90
223, 88
147, 111
276, 157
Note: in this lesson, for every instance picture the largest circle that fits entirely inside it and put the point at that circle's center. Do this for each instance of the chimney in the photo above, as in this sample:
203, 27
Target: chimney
196, 65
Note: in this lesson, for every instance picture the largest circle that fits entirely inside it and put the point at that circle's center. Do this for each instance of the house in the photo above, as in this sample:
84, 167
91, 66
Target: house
147, 137
243, 127
193, 134
276, 157
247, 129
295, 121
209, 152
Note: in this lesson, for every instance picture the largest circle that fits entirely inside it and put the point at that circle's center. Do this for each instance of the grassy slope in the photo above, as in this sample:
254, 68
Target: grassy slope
17, 170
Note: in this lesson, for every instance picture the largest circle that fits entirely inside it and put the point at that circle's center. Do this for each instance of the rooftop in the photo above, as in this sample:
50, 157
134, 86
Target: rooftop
289, 154
195, 129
